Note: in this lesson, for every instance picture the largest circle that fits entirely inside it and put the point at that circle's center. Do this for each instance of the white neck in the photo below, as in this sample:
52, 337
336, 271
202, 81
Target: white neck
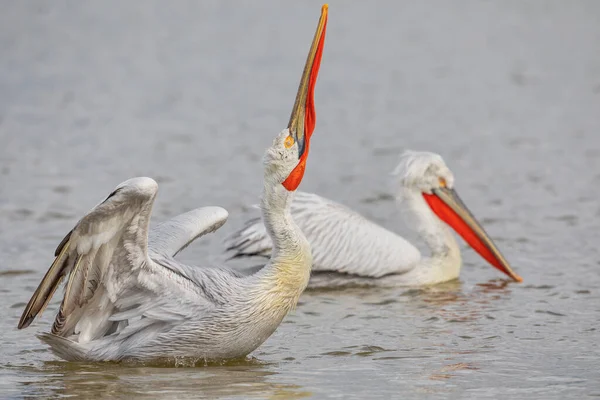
445, 261
287, 273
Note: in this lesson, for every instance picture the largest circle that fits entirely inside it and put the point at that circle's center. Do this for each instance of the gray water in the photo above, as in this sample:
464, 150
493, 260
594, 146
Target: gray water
191, 93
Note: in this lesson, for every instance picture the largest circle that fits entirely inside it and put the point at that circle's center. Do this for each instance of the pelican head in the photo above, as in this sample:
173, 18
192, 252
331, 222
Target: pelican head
427, 174
285, 160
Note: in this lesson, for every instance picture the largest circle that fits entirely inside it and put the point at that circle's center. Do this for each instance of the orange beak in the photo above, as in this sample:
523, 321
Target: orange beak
446, 204
303, 118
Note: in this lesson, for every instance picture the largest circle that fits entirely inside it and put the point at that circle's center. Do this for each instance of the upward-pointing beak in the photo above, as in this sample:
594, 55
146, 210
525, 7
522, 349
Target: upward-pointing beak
446, 204
303, 118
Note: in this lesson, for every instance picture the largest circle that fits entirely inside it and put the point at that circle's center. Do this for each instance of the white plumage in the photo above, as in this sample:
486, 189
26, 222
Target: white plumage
174, 235
124, 301
345, 242
341, 240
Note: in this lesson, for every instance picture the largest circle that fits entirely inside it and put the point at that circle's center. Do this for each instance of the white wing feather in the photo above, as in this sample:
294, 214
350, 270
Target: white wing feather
341, 240
174, 235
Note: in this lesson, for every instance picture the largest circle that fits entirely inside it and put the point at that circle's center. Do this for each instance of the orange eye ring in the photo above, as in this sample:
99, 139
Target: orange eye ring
442, 182
288, 142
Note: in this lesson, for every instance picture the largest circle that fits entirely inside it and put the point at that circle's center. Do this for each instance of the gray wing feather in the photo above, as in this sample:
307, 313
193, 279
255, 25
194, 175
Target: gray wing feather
174, 235
118, 298
341, 240
112, 233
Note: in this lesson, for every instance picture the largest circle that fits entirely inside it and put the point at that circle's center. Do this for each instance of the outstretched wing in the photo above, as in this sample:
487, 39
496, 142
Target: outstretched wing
99, 256
341, 240
174, 235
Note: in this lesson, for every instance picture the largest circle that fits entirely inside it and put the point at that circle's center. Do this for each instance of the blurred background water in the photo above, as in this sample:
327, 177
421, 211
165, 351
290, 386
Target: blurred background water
191, 93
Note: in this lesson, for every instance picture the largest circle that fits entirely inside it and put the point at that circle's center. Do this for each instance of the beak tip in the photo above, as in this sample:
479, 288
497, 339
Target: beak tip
325, 8
518, 278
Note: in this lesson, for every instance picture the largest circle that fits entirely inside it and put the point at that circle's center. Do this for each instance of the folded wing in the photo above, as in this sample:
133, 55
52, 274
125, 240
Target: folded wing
341, 240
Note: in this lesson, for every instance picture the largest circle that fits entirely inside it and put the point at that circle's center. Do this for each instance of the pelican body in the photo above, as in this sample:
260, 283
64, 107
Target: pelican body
127, 298
345, 242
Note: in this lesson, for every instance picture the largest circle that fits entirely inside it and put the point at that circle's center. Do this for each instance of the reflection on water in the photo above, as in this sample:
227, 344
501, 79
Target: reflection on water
375, 318
245, 379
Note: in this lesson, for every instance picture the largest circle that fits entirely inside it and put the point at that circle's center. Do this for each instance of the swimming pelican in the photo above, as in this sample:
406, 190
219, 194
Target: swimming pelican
125, 299
346, 242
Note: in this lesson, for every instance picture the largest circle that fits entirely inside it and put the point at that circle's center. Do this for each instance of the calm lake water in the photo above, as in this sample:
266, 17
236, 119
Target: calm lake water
191, 93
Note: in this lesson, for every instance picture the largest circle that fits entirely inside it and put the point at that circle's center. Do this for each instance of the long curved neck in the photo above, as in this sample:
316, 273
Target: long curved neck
445, 260
288, 271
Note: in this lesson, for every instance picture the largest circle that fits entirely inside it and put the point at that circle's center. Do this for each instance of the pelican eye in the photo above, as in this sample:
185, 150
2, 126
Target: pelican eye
288, 142
442, 182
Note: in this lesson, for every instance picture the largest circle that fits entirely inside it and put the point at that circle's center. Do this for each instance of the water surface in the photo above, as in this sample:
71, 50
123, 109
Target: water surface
191, 93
